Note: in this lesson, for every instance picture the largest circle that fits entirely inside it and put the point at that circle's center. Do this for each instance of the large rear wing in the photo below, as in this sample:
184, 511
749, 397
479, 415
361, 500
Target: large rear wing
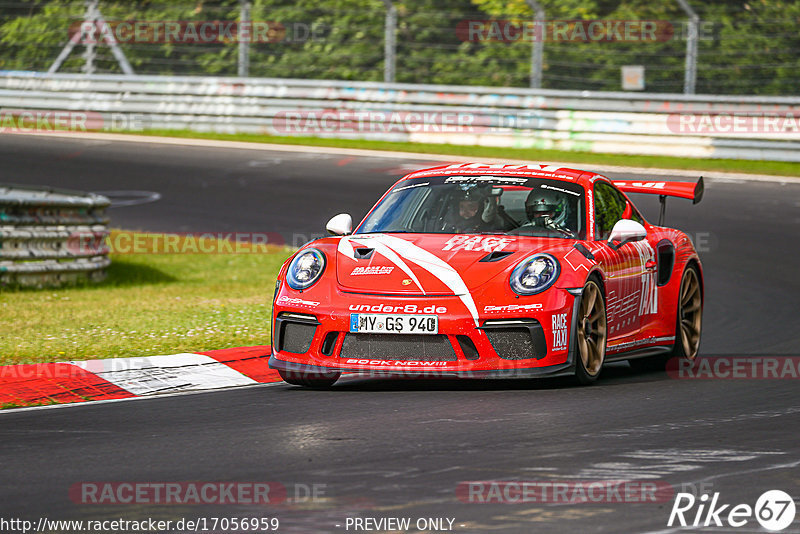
693, 192
688, 190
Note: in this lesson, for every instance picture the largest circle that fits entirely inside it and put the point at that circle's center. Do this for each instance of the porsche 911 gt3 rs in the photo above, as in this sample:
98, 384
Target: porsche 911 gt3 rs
491, 271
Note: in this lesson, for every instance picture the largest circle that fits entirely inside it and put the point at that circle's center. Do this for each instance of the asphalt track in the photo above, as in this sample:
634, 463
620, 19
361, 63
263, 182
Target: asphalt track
386, 448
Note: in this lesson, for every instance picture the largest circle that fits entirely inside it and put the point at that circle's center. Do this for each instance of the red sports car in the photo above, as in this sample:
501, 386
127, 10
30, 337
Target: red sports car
491, 271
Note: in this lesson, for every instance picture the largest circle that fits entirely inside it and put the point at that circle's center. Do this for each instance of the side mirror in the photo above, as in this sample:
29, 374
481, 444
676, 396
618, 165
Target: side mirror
341, 224
626, 231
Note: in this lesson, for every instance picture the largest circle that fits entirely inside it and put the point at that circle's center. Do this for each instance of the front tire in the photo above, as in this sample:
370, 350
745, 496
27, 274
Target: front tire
309, 380
591, 334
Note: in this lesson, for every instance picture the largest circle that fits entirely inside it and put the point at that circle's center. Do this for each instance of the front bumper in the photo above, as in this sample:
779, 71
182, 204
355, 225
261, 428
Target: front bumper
564, 369
534, 339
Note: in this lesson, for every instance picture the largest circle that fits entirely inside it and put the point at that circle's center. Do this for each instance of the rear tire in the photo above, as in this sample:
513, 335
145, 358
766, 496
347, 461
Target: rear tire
690, 316
688, 325
591, 334
309, 380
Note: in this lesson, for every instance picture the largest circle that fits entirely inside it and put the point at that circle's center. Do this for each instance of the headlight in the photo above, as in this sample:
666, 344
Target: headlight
305, 269
534, 274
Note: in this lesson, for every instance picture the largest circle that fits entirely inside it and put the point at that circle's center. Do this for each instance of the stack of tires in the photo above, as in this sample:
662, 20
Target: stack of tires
50, 237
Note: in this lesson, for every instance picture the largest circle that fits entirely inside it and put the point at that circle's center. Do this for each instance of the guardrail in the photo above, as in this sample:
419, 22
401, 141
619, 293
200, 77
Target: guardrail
51, 237
707, 126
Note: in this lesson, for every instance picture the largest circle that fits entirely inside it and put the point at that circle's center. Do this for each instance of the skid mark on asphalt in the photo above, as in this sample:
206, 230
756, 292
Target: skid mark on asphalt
71, 155
660, 428
279, 160
660, 463
20, 431
551, 514
497, 420
698, 455
76, 153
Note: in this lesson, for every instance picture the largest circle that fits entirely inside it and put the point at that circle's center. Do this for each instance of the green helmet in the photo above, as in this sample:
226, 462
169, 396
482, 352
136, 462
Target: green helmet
547, 206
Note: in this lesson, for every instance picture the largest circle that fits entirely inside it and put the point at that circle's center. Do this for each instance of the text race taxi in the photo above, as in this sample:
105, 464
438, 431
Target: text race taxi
490, 271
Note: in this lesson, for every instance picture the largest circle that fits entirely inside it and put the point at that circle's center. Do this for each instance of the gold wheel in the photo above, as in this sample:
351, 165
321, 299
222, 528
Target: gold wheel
591, 337
690, 310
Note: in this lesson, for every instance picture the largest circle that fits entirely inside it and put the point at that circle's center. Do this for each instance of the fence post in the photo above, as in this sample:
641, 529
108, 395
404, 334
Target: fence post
94, 17
88, 52
389, 42
537, 51
244, 45
690, 72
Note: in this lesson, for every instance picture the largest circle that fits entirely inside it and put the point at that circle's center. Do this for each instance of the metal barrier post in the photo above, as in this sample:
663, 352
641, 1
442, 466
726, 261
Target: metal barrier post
390, 42
537, 49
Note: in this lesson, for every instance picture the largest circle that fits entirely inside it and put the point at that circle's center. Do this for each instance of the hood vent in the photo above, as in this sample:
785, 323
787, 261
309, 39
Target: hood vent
363, 253
497, 255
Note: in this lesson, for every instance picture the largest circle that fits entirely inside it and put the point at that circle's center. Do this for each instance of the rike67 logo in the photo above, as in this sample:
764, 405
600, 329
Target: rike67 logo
774, 510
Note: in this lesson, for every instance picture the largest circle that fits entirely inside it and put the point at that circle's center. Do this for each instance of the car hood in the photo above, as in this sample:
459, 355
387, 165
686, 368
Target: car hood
431, 264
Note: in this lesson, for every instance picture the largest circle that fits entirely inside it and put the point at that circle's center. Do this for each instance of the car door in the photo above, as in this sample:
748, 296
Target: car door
628, 269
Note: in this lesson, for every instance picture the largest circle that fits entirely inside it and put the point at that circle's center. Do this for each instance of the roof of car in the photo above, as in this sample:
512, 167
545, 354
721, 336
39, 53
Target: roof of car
529, 170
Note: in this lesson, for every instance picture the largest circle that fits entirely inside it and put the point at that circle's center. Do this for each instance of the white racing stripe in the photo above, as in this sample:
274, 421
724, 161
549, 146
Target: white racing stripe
396, 250
434, 265
383, 250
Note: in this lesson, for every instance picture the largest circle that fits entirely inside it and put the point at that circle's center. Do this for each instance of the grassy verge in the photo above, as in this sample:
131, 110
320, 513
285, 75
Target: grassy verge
665, 162
150, 304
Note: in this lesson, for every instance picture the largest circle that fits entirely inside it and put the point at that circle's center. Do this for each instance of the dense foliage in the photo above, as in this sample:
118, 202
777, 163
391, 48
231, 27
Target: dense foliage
745, 47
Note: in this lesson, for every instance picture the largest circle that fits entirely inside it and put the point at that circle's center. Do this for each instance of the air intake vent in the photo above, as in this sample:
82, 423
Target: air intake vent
294, 332
408, 347
516, 339
468, 347
666, 261
296, 337
329, 343
362, 253
497, 255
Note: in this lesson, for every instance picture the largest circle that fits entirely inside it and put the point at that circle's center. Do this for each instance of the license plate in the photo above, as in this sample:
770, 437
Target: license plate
385, 323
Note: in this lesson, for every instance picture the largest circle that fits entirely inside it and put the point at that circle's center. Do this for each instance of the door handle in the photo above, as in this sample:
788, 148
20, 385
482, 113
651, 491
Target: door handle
650, 265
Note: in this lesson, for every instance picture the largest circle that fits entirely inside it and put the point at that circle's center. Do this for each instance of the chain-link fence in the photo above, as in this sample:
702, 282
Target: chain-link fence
740, 47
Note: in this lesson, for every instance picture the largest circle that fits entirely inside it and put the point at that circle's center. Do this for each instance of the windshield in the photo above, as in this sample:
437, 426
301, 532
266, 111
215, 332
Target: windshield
481, 205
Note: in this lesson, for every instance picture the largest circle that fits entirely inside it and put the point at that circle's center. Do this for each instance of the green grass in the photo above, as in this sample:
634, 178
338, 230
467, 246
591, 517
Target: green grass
10, 405
584, 158
150, 304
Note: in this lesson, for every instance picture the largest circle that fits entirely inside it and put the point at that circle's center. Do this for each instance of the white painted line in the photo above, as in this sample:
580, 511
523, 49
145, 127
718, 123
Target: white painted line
148, 397
644, 172
176, 372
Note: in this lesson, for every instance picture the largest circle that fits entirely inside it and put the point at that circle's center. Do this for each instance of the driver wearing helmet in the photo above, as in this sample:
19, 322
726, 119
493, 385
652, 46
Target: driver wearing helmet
473, 210
547, 209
